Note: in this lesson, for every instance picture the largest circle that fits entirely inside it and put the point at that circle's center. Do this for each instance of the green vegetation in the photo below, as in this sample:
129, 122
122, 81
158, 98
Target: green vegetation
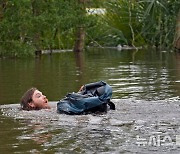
32, 25
27, 26
150, 22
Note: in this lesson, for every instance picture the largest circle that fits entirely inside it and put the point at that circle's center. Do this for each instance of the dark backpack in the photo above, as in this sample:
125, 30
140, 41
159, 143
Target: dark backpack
94, 97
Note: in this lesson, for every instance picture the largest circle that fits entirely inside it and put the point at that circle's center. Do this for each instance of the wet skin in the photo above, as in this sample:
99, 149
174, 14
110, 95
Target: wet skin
39, 101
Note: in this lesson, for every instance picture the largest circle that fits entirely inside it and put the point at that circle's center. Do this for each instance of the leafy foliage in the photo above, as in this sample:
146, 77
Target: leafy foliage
150, 21
38, 25
29, 25
159, 21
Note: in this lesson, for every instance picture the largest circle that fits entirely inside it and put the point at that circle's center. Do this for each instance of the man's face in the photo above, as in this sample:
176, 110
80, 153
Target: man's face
39, 100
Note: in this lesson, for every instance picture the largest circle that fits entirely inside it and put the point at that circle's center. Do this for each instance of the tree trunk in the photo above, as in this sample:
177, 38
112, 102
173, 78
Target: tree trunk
80, 38
36, 37
2, 8
177, 34
80, 33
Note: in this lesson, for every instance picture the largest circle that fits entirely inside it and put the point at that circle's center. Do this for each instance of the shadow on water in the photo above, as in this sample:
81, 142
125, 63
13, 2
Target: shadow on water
146, 88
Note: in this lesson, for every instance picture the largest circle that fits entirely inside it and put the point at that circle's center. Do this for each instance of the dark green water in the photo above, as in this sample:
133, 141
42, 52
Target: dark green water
146, 89
143, 74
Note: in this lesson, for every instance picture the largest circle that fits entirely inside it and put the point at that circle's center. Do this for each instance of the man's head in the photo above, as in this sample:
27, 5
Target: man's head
33, 99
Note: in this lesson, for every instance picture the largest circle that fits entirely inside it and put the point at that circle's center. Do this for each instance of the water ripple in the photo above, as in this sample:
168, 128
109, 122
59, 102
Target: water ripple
115, 132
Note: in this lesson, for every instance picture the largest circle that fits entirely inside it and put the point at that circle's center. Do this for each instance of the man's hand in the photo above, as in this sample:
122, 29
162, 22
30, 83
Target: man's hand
81, 88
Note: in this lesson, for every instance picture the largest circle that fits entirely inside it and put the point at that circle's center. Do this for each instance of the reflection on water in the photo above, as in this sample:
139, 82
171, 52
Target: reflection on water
141, 82
146, 88
146, 75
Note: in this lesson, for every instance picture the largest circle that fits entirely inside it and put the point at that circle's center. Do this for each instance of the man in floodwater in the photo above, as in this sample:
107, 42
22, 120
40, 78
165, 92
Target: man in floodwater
33, 99
91, 98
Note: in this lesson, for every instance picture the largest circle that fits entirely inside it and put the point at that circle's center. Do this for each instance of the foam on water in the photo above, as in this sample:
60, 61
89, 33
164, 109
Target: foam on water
118, 131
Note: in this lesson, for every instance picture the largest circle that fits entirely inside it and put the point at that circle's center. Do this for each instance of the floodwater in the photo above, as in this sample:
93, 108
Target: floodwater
146, 89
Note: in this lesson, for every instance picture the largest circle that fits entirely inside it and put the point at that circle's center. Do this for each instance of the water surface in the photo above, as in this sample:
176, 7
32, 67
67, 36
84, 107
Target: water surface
146, 88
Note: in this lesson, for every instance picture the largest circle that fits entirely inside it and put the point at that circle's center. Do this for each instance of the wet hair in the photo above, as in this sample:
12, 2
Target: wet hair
26, 99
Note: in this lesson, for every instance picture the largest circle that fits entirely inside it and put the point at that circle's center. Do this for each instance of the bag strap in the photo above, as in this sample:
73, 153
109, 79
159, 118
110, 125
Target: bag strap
111, 105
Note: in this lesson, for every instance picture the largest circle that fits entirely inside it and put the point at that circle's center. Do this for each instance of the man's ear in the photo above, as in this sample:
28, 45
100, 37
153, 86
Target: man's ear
31, 104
